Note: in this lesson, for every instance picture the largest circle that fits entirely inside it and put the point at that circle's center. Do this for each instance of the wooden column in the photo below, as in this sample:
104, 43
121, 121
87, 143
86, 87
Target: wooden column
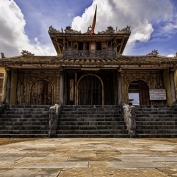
172, 86
75, 88
61, 87
119, 81
8, 86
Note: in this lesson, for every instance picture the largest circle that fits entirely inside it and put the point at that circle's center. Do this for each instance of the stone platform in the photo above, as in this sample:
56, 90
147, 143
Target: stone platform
83, 157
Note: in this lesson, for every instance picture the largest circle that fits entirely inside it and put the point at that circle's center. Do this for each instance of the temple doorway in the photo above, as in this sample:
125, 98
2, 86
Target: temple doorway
90, 90
41, 93
138, 93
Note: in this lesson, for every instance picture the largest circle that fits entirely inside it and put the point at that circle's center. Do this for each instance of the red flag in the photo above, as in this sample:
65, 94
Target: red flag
94, 22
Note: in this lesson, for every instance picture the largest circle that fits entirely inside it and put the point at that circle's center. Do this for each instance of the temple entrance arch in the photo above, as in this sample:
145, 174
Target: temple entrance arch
90, 90
139, 92
41, 93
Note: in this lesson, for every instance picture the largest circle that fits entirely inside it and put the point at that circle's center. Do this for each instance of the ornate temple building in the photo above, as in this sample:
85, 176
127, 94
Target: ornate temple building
88, 70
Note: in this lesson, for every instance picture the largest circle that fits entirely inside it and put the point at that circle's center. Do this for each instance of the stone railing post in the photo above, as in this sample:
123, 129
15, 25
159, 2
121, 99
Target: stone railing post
129, 118
54, 114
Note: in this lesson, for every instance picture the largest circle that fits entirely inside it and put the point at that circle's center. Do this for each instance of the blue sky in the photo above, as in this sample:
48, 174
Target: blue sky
24, 23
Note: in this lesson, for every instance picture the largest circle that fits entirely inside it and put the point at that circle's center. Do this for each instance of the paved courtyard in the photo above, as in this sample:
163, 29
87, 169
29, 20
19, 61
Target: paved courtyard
83, 157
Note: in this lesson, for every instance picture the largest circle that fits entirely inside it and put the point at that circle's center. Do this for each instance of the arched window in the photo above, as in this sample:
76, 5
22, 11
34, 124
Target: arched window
138, 93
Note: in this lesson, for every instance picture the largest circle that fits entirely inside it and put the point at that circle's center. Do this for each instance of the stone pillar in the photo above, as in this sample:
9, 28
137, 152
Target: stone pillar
172, 86
61, 87
8, 86
119, 81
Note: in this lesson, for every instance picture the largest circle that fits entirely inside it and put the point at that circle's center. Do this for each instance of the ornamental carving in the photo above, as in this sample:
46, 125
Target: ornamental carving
108, 31
53, 30
125, 30
25, 53
154, 53
70, 30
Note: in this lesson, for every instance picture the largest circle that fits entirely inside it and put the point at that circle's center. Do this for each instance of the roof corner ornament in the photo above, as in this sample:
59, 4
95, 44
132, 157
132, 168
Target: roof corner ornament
153, 53
70, 30
25, 53
53, 30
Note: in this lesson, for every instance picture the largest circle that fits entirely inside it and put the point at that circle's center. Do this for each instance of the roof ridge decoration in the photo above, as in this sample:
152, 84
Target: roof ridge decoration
70, 30
153, 53
125, 30
67, 30
110, 30
25, 53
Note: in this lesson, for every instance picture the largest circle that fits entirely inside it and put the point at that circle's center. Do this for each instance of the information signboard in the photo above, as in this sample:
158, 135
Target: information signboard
157, 94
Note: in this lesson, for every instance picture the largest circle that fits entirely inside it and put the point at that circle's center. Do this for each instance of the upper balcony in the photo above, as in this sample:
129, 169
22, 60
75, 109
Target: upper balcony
73, 44
89, 54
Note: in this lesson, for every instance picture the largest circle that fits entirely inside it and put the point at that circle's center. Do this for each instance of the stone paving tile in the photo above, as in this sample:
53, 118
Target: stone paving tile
101, 172
30, 172
89, 157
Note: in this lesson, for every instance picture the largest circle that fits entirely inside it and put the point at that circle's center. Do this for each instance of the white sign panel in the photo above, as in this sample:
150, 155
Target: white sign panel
157, 94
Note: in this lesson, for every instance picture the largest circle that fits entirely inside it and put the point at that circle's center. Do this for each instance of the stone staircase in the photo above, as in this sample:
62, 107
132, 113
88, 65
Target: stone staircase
91, 121
25, 121
156, 121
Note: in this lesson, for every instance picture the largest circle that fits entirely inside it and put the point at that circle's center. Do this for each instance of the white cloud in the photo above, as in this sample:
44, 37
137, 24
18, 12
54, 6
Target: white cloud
12, 36
139, 14
170, 55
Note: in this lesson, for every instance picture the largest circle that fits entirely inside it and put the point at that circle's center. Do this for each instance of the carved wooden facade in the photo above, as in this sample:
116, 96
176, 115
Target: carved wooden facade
153, 78
87, 70
37, 87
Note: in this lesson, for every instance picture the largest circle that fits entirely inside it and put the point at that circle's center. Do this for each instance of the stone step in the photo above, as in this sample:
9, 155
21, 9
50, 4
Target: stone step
24, 131
25, 135
28, 109
91, 119
139, 123
26, 112
101, 131
91, 127
92, 135
25, 121
34, 127
91, 123
157, 131
17, 116
29, 106
154, 135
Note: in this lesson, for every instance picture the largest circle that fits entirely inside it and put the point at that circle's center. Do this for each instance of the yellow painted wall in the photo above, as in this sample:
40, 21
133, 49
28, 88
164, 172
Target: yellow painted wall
2, 70
13, 86
166, 79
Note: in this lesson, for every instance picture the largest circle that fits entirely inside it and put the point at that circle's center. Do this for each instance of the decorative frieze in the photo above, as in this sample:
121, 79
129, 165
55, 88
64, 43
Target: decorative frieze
89, 54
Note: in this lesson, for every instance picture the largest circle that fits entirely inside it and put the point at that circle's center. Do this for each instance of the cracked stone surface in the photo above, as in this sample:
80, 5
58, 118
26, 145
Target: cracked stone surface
84, 157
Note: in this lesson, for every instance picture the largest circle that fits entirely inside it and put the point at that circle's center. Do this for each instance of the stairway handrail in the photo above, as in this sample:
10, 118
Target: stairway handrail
54, 113
129, 118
